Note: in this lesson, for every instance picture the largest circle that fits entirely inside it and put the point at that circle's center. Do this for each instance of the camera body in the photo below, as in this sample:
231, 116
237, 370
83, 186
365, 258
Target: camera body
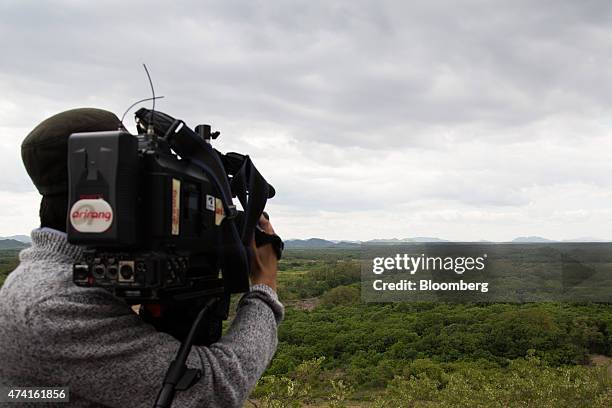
155, 225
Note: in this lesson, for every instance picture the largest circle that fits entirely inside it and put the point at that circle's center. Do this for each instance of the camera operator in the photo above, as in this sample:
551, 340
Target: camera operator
54, 333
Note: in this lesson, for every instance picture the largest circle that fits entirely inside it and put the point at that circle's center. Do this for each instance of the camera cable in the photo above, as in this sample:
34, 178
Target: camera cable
179, 377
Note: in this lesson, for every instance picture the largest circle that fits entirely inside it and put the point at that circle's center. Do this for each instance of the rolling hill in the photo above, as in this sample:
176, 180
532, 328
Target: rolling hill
12, 244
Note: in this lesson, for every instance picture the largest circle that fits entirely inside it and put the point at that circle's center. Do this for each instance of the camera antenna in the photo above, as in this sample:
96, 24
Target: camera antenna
151, 127
136, 103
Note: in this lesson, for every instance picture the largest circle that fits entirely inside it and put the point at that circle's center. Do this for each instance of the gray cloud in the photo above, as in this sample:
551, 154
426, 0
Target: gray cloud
444, 114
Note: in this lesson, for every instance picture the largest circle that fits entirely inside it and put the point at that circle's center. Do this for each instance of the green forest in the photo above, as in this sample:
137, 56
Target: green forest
337, 351
8, 262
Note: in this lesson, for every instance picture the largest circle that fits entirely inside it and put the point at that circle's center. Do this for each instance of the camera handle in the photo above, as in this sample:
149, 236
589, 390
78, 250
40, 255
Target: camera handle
179, 377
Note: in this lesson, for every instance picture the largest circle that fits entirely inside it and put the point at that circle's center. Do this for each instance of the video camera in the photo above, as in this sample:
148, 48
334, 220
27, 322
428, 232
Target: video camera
155, 212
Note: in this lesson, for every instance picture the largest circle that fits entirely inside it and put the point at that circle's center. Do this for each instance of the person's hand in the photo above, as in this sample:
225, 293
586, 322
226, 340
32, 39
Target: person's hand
264, 265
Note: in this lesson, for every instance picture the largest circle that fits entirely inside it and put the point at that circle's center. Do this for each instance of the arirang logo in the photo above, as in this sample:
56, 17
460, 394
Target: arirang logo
88, 213
91, 215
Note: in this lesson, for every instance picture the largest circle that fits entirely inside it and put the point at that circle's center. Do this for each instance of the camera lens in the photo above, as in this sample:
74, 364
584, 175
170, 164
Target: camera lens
126, 271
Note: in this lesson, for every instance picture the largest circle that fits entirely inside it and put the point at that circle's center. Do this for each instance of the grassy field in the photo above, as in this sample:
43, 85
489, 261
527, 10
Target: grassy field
334, 350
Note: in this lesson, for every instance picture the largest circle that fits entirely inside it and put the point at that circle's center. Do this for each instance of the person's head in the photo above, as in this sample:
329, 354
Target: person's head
45, 156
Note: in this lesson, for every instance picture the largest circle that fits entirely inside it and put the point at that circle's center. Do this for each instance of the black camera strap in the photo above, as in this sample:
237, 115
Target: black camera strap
252, 191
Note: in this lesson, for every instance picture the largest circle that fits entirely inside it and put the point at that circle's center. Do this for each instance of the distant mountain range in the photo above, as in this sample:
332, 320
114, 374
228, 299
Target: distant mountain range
22, 241
21, 238
15, 242
313, 243
531, 239
12, 244
415, 239
323, 243
535, 239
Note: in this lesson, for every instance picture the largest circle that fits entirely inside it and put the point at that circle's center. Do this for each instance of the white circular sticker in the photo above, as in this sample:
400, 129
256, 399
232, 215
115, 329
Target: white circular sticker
91, 215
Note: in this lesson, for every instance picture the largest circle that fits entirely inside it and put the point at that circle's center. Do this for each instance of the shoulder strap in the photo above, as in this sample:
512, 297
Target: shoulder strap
252, 191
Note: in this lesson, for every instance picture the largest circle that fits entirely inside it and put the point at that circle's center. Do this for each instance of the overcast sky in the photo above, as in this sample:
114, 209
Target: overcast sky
464, 120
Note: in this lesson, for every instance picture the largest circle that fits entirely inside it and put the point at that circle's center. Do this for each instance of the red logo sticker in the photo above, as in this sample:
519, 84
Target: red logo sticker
91, 215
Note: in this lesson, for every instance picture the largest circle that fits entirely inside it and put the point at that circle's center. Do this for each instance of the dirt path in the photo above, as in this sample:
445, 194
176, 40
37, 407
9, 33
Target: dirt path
304, 304
600, 360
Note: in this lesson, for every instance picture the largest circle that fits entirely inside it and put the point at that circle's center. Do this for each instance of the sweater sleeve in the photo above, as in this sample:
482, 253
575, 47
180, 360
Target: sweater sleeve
94, 344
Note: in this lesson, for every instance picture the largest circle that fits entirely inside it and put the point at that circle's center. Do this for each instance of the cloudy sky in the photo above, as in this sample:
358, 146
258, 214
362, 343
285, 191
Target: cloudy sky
464, 120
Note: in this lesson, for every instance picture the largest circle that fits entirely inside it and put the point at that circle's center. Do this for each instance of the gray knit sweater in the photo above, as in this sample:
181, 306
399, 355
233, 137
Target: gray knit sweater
53, 333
